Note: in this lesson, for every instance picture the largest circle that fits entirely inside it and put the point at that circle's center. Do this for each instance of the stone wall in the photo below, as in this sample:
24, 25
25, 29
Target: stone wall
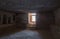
7, 16
55, 28
21, 20
44, 19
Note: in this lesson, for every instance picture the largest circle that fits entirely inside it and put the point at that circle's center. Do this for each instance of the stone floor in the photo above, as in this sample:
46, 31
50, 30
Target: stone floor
17, 33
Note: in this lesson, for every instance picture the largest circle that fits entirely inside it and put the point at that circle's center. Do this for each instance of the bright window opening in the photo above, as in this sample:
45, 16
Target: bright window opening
32, 18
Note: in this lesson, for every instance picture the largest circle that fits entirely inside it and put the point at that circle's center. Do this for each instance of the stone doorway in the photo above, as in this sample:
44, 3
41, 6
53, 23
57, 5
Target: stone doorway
31, 20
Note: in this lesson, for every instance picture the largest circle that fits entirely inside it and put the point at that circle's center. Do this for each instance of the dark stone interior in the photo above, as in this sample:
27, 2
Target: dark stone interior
48, 17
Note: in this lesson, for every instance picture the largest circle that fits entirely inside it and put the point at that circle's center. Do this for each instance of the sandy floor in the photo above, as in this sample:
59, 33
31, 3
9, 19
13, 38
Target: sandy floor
13, 32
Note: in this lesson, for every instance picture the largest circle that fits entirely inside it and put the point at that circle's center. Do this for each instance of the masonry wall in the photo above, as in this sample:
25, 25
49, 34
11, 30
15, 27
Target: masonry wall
21, 20
44, 19
7, 14
55, 28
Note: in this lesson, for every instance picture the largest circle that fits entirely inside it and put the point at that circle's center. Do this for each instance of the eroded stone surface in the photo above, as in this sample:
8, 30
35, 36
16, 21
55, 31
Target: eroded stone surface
28, 4
25, 34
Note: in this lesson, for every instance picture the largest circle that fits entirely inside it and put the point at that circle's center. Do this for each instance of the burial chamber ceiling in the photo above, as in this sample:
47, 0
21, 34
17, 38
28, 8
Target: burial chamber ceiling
17, 5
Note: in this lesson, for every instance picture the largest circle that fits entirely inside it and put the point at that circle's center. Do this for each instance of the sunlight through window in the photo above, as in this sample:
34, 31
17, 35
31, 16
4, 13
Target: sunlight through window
32, 18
